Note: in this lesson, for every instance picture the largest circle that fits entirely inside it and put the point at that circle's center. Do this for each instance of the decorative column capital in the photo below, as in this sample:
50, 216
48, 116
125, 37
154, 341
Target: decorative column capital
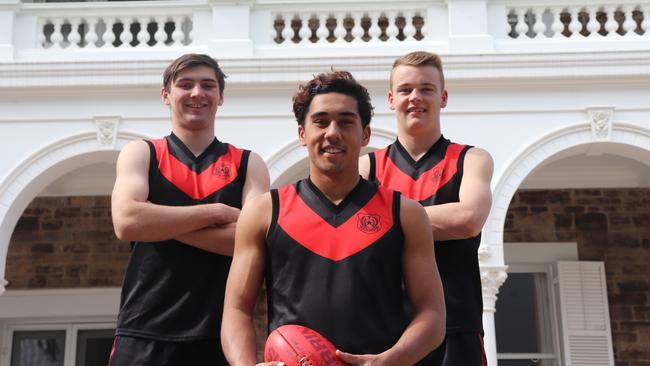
492, 278
3, 283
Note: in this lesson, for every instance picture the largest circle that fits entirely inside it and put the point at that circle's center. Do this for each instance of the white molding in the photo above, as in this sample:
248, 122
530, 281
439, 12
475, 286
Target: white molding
24, 182
20, 305
534, 154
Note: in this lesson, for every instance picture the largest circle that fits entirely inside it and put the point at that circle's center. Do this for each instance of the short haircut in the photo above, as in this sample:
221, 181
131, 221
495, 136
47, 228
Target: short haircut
192, 60
332, 82
417, 59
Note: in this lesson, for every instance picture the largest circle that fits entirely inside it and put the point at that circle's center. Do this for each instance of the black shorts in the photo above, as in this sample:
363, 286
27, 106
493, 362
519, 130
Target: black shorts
131, 351
458, 349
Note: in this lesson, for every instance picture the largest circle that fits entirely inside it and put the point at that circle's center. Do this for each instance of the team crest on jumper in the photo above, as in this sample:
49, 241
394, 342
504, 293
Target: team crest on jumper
222, 171
368, 223
436, 174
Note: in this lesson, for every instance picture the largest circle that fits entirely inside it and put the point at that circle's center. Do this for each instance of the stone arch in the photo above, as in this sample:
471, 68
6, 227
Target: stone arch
533, 155
40, 169
289, 156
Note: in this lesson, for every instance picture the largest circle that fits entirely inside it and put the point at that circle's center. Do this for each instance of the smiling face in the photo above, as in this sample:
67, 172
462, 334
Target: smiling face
417, 96
333, 134
193, 98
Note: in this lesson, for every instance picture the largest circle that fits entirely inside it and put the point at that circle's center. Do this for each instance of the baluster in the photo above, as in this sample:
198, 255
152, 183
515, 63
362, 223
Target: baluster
57, 36
557, 27
645, 24
629, 25
40, 38
409, 29
575, 26
160, 36
611, 25
143, 35
108, 37
424, 30
521, 27
287, 31
91, 35
126, 36
74, 37
539, 27
374, 31
304, 32
357, 29
391, 31
177, 34
339, 30
322, 32
593, 26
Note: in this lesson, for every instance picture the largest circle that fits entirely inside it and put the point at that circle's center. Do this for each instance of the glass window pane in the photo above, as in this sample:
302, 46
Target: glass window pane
522, 318
38, 348
94, 346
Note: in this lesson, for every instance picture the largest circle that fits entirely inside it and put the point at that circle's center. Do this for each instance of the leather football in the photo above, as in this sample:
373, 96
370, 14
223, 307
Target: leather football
296, 345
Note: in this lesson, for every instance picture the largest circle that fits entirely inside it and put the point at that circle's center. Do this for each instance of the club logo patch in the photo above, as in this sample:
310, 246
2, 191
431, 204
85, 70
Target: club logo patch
368, 223
222, 171
436, 174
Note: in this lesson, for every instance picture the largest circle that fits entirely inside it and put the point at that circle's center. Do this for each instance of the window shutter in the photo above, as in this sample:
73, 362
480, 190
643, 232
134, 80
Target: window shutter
584, 314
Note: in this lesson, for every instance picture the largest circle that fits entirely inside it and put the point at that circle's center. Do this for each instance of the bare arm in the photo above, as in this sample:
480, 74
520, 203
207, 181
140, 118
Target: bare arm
221, 238
135, 219
464, 219
364, 166
424, 289
244, 282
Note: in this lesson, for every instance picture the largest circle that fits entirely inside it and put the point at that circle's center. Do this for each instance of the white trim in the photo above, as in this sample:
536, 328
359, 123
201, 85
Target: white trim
545, 253
535, 154
32, 174
77, 304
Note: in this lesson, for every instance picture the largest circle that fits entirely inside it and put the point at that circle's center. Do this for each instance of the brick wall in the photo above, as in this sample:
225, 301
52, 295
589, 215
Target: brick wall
66, 242
609, 225
69, 242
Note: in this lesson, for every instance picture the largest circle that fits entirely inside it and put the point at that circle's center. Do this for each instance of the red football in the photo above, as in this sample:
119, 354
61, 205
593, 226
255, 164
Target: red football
296, 345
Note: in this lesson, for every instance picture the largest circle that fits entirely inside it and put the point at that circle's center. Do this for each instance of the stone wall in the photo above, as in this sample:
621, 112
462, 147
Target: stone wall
609, 225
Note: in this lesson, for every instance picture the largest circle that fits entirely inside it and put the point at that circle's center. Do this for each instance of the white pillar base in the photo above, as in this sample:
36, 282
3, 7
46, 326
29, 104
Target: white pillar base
492, 277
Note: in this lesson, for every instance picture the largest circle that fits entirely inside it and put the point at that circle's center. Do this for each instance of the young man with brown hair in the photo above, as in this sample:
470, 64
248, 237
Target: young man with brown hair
452, 182
178, 198
335, 250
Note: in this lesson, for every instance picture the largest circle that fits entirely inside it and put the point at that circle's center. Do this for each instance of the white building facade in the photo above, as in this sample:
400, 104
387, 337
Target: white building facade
558, 93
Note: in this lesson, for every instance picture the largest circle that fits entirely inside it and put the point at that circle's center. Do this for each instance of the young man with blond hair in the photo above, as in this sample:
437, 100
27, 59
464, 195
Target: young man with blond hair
452, 182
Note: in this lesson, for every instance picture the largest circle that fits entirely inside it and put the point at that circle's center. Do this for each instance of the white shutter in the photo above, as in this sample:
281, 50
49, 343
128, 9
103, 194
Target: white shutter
584, 314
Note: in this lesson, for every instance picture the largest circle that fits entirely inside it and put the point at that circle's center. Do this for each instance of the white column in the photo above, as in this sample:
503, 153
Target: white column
8, 10
3, 283
232, 36
468, 26
492, 277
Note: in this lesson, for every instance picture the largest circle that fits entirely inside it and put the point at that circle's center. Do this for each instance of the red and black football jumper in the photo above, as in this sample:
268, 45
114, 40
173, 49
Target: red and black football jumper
173, 291
432, 180
337, 268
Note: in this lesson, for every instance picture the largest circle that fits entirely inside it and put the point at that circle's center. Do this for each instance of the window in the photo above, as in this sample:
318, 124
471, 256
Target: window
525, 320
71, 344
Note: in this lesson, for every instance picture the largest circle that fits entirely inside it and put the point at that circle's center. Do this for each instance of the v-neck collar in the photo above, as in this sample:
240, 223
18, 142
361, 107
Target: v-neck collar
401, 150
180, 145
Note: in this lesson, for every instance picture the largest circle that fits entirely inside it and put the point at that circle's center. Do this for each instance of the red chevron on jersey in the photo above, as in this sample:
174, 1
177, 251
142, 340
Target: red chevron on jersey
427, 183
307, 228
197, 185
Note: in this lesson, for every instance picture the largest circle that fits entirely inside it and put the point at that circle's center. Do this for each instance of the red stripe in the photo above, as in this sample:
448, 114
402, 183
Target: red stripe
335, 243
483, 355
427, 183
197, 185
110, 357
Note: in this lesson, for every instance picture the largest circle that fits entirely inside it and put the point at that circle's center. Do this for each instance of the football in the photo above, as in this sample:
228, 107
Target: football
296, 345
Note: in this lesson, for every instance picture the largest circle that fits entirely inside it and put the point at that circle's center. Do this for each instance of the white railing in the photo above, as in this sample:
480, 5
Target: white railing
269, 28
113, 31
578, 21
348, 27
